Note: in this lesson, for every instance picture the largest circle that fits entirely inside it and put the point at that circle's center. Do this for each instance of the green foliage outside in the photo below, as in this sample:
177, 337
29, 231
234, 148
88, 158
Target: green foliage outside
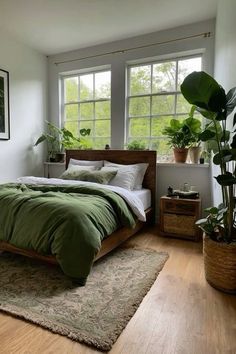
154, 99
88, 106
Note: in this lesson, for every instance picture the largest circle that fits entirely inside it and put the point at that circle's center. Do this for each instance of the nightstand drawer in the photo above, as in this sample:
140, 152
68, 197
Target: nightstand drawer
178, 217
179, 224
171, 206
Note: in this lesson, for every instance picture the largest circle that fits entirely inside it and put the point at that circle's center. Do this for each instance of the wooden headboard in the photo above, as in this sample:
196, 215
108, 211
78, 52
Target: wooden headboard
125, 157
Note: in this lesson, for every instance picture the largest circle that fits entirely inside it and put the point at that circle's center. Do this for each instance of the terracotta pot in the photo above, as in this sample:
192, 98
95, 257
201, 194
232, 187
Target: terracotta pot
180, 154
194, 154
220, 264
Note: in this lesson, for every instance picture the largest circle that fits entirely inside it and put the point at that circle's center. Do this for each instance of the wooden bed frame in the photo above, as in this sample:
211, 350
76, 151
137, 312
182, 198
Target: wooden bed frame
115, 239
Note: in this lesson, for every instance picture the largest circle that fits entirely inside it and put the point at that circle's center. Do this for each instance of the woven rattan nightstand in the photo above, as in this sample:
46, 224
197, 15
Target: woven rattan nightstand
178, 217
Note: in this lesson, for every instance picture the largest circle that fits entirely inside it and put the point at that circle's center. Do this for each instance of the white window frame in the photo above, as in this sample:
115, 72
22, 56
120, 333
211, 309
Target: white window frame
94, 100
175, 93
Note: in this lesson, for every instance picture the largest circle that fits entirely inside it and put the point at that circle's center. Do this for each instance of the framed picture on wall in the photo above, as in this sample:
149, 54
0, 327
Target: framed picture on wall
4, 105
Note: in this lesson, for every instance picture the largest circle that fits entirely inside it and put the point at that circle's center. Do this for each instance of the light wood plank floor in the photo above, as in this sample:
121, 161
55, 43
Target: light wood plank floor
181, 313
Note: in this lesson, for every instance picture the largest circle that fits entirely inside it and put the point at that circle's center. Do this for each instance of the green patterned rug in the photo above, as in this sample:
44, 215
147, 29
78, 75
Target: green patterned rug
94, 314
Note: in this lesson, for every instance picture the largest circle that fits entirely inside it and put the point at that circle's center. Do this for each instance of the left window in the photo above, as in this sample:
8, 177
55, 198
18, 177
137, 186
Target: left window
86, 103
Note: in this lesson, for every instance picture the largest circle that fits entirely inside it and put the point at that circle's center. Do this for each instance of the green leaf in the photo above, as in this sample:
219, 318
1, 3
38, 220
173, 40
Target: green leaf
226, 180
192, 110
211, 210
201, 221
234, 121
231, 100
221, 116
40, 139
175, 124
194, 124
233, 144
207, 228
202, 90
67, 134
223, 156
207, 135
217, 101
85, 132
207, 114
225, 136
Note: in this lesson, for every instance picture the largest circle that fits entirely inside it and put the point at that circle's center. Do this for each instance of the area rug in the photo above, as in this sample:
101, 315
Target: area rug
94, 314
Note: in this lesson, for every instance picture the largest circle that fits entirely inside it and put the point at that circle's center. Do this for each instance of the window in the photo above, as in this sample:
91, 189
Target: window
154, 98
87, 104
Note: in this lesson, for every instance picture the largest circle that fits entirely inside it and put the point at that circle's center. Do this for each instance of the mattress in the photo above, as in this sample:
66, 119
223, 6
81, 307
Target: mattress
144, 195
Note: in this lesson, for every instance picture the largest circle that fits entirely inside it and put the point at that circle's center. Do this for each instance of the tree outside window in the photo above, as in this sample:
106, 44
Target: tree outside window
154, 98
87, 104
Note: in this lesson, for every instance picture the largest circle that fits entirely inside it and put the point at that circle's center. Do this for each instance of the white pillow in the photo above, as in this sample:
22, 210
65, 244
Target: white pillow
74, 169
125, 177
141, 170
96, 164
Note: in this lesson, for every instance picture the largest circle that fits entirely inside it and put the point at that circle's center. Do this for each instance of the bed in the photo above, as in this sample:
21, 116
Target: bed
123, 232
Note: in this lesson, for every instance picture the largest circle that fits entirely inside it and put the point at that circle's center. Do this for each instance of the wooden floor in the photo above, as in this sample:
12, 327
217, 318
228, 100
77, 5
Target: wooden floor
181, 313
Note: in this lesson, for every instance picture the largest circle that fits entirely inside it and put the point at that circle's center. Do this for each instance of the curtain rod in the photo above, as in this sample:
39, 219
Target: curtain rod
122, 51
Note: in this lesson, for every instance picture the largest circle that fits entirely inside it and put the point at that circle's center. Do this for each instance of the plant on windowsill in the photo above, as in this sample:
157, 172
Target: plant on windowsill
182, 134
60, 139
136, 145
219, 245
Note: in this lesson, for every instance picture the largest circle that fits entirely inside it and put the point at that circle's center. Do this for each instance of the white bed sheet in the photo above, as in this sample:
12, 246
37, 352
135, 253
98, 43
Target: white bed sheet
131, 198
145, 197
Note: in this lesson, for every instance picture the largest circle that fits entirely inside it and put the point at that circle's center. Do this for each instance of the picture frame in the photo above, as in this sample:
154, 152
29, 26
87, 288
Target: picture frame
4, 105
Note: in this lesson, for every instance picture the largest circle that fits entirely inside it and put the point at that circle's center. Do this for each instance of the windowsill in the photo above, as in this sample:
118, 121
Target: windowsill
185, 165
54, 163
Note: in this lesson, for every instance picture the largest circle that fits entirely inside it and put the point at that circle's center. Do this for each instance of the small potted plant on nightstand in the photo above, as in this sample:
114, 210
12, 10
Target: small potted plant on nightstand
219, 245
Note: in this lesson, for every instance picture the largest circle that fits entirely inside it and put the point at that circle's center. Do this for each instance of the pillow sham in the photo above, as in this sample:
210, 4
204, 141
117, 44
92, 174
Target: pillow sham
102, 177
97, 164
125, 177
141, 170
73, 170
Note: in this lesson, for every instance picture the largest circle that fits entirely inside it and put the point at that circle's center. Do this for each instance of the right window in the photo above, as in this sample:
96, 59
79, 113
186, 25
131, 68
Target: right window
154, 98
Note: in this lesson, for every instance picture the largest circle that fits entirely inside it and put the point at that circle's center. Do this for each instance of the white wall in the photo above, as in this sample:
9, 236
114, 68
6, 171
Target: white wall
166, 176
178, 174
28, 108
225, 59
118, 63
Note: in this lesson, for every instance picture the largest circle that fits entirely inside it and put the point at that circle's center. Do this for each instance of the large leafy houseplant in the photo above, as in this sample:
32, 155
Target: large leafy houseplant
217, 107
60, 139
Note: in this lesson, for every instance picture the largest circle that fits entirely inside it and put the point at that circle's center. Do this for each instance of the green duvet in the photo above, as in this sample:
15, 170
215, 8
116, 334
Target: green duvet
66, 221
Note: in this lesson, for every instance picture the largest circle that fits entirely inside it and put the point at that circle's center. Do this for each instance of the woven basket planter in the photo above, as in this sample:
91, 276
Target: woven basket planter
220, 264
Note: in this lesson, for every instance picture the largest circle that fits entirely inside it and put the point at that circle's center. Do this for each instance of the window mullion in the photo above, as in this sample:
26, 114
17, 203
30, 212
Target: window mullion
150, 118
94, 131
176, 85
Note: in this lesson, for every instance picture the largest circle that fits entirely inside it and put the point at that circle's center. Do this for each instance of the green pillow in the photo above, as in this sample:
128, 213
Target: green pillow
102, 177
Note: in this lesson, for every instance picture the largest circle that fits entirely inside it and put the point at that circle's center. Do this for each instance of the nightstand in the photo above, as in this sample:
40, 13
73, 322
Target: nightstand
53, 169
178, 217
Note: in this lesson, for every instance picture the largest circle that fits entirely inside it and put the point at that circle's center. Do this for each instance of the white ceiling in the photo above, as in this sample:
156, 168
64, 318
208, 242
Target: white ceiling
54, 26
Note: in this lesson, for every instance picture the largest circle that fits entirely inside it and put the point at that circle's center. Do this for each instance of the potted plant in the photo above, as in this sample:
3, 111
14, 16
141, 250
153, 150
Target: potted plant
136, 145
219, 245
195, 148
60, 139
181, 134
